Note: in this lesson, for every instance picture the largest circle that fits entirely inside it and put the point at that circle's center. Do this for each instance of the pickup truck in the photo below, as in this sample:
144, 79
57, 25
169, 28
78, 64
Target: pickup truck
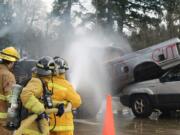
145, 64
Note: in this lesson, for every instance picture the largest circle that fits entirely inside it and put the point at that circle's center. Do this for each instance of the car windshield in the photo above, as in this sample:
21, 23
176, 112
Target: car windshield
172, 75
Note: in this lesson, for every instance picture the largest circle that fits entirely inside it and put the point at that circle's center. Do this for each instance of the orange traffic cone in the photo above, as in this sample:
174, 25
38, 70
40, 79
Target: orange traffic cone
108, 125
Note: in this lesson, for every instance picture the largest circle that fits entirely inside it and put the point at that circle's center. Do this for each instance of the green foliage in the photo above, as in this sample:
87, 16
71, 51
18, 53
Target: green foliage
148, 36
142, 17
172, 17
129, 13
59, 7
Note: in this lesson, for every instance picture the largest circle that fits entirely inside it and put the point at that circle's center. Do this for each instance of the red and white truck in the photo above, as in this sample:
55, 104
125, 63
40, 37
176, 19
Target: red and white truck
145, 64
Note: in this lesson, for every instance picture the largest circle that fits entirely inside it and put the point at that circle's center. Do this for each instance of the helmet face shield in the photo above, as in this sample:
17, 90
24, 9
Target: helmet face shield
42, 72
61, 65
45, 66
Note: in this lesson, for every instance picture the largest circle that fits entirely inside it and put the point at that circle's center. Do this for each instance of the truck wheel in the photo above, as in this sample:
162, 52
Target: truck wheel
141, 106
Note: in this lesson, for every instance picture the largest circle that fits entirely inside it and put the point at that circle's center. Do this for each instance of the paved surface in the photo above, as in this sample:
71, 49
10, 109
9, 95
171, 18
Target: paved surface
127, 124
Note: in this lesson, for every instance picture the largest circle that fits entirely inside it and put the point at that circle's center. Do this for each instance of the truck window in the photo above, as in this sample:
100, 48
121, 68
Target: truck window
178, 47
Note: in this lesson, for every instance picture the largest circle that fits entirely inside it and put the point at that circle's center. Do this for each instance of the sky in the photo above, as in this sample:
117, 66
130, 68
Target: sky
86, 3
48, 4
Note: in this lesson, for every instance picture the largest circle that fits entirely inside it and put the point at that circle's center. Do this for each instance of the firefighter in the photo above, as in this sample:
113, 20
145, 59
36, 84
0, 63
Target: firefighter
63, 92
31, 96
8, 56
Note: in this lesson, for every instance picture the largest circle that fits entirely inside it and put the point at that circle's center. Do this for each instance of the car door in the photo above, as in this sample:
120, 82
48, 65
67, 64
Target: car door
169, 88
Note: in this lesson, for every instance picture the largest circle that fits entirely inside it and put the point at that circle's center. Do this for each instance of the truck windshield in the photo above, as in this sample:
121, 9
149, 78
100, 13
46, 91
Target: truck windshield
178, 47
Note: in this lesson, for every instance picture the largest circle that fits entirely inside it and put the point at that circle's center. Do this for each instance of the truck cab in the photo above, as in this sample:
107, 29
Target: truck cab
145, 64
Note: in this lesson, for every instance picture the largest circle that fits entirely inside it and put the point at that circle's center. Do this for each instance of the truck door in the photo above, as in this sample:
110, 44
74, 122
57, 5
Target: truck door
169, 88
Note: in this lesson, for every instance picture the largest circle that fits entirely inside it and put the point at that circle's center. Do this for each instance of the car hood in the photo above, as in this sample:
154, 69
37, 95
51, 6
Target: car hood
146, 83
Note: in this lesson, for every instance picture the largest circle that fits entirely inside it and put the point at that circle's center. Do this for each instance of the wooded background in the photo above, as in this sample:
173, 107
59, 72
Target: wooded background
27, 25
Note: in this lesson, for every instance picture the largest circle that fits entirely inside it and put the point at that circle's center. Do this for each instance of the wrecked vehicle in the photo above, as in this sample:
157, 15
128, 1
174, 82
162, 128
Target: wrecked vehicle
162, 94
145, 64
148, 79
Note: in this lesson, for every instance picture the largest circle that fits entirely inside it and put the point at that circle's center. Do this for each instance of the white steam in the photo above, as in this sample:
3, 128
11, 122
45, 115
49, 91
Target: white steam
85, 50
87, 55
26, 14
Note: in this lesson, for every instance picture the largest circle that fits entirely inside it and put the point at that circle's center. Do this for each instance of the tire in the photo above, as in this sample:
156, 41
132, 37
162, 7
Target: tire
141, 106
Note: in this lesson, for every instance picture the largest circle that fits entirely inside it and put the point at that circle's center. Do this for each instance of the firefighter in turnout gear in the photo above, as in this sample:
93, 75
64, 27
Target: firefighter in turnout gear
32, 96
8, 56
63, 92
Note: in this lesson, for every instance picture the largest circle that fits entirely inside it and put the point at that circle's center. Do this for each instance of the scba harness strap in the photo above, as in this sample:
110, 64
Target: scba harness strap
23, 113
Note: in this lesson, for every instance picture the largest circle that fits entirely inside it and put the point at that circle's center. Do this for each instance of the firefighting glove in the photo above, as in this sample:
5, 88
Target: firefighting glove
44, 126
60, 108
42, 116
34, 105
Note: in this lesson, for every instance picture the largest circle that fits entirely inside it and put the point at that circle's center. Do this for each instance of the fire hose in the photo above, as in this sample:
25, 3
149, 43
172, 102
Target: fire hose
29, 120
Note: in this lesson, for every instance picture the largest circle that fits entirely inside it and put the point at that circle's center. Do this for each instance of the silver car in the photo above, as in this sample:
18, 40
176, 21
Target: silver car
163, 94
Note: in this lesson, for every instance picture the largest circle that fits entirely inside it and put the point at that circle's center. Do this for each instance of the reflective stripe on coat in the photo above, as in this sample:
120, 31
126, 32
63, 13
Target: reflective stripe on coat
63, 91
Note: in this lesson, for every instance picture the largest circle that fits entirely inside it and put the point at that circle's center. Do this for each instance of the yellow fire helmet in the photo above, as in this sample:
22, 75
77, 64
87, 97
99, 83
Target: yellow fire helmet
10, 54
